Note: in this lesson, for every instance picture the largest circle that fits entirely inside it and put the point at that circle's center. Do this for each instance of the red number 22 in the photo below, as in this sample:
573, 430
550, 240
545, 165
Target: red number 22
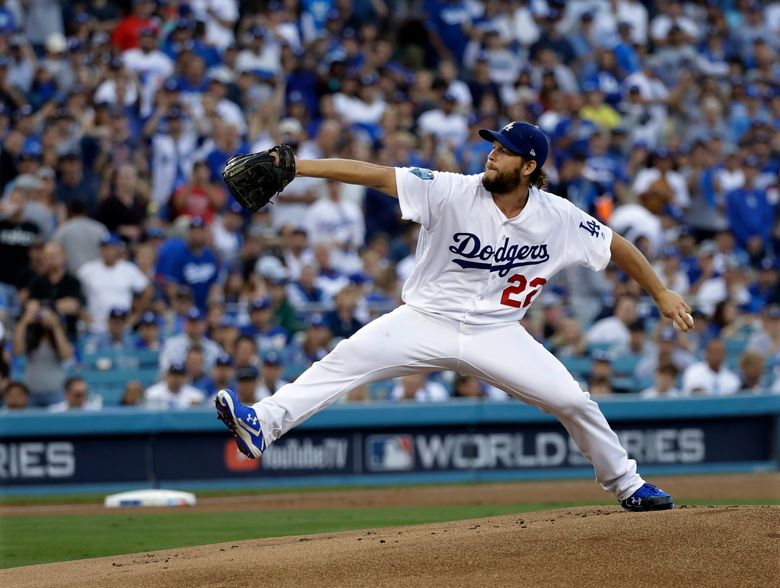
521, 283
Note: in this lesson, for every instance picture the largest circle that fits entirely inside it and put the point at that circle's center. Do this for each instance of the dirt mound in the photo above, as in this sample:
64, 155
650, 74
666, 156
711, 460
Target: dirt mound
588, 546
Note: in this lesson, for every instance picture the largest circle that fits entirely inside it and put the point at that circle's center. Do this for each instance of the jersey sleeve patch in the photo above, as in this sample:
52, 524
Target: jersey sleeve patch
423, 174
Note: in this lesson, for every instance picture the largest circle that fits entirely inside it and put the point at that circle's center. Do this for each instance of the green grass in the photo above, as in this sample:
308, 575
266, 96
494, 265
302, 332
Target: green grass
28, 540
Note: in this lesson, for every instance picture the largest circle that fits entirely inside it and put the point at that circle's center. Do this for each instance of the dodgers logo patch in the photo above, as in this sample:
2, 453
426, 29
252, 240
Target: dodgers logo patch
423, 174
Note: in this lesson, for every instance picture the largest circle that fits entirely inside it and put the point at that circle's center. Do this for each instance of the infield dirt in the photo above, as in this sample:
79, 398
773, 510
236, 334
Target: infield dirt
585, 546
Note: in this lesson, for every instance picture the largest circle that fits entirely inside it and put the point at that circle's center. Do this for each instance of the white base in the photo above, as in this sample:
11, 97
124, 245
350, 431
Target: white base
150, 498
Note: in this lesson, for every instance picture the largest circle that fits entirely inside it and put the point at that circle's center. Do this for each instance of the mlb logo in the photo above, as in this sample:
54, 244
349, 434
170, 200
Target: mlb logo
388, 453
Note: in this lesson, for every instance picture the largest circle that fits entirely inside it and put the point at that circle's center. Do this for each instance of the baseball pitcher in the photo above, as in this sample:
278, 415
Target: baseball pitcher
488, 245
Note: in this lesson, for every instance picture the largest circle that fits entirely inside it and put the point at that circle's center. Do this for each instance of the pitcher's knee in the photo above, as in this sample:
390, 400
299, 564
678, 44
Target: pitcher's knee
570, 404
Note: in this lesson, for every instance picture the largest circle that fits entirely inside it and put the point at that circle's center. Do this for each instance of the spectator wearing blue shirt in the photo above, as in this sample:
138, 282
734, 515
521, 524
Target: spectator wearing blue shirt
342, 321
750, 214
148, 333
574, 186
195, 265
117, 338
261, 327
447, 24
223, 375
472, 154
764, 287
625, 54
304, 292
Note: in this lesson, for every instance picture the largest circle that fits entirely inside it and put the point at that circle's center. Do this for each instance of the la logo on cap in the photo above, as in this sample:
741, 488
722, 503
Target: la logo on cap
509, 126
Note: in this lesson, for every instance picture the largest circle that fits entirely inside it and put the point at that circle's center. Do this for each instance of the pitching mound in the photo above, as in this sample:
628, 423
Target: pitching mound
589, 546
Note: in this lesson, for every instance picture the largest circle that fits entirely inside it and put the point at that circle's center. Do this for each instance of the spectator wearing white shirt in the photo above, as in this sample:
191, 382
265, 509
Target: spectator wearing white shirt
271, 379
661, 185
665, 384
173, 144
418, 388
360, 102
292, 204
151, 65
173, 391
263, 55
220, 17
446, 123
613, 330
710, 377
175, 348
110, 282
76, 397
339, 224
672, 16
226, 110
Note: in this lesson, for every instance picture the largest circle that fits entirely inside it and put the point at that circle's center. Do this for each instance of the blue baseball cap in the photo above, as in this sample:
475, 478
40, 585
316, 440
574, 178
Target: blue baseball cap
272, 358
118, 312
148, 318
248, 372
197, 222
223, 359
194, 314
521, 138
260, 304
177, 367
316, 320
112, 239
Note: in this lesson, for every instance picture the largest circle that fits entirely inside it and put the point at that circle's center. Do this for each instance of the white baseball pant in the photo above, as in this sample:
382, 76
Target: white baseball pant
407, 341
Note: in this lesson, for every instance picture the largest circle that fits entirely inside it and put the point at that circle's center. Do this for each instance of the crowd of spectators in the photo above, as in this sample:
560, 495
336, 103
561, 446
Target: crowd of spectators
117, 236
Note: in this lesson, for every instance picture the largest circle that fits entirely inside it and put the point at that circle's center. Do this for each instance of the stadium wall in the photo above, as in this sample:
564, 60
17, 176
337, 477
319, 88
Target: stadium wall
461, 441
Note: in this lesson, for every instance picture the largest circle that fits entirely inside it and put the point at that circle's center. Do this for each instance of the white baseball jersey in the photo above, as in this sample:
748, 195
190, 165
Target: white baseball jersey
476, 266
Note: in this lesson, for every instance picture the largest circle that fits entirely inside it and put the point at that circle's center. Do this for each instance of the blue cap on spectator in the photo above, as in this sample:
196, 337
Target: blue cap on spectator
662, 152
235, 207
197, 222
316, 320
248, 372
177, 367
23, 111
257, 32
82, 17
295, 96
670, 251
118, 312
223, 359
194, 314
601, 355
171, 85
768, 263
155, 233
752, 161
148, 318
521, 138
359, 278
112, 239
227, 320
272, 358
74, 45
773, 311
667, 334
260, 304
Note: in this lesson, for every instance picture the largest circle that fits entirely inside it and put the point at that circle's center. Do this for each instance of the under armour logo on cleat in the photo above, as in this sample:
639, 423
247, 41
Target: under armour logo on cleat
635, 501
251, 419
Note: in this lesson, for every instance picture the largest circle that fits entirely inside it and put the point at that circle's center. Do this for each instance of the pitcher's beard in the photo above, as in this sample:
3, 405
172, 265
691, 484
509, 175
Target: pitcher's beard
502, 183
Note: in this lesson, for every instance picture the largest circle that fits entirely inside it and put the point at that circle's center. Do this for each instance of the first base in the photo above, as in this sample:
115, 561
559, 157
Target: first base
156, 497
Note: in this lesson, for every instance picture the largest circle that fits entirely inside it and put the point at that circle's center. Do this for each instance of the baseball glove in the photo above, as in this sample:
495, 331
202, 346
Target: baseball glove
256, 178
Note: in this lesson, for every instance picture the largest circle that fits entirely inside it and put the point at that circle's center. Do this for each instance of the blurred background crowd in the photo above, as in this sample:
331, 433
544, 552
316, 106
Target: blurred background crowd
129, 276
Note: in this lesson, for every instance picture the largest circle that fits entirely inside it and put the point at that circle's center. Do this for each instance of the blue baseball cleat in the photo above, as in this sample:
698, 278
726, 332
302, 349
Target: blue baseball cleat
648, 497
242, 422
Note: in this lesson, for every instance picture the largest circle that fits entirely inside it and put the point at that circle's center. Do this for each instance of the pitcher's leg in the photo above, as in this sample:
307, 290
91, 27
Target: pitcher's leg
509, 358
396, 344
